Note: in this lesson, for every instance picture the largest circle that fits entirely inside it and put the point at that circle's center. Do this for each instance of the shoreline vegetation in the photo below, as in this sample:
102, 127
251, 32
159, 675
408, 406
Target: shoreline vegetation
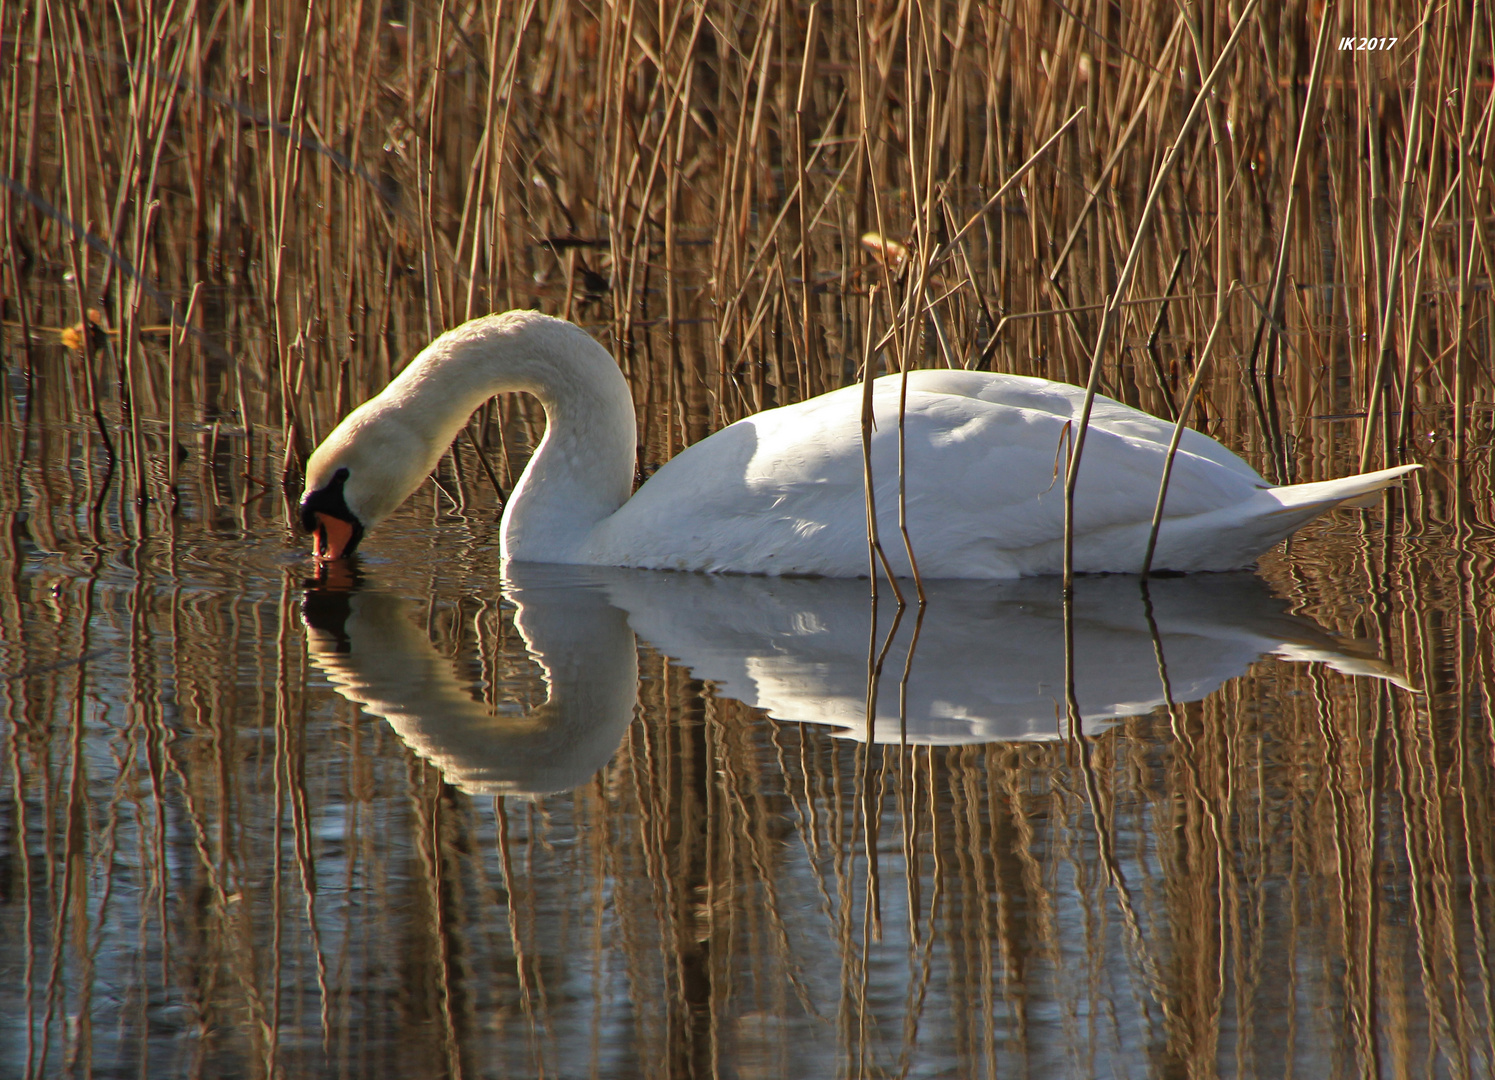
266, 211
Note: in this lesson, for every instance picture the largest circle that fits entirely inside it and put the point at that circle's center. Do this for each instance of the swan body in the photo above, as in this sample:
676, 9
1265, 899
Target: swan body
782, 492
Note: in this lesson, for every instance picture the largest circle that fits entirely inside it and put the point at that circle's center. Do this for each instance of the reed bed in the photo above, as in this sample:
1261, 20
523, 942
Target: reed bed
270, 208
225, 224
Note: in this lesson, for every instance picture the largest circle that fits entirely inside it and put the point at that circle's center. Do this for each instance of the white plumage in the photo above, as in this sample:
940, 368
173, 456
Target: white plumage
781, 492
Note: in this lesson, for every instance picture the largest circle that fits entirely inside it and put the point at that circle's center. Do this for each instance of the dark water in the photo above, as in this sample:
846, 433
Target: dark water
436, 820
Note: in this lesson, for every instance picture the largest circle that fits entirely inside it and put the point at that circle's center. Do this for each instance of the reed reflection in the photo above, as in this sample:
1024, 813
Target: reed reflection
987, 663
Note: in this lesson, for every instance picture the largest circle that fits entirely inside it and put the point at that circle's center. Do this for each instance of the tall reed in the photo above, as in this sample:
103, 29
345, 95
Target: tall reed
695, 183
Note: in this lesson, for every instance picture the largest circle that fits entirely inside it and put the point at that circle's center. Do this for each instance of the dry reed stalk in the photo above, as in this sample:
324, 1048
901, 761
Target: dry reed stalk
488, 163
79, 268
286, 175
674, 94
1124, 281
1119, 148
1465, 252
1274, 309
176, 341
1430, 217
949, 95
1184, 410
10, 103
921, 192
876, 559
1385, 340
1169, 409
801, 198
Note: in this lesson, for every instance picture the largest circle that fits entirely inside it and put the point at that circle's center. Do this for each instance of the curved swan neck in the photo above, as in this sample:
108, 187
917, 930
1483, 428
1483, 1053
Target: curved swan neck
582, 470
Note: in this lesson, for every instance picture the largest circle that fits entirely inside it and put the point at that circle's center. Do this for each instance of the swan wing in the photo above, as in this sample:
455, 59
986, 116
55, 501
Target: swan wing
1067, 402
782, 492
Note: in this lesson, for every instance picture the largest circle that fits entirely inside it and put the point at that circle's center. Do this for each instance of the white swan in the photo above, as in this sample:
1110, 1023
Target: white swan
782, 492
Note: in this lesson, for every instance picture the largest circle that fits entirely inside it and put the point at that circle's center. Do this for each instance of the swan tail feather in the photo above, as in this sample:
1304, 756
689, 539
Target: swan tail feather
1363, 491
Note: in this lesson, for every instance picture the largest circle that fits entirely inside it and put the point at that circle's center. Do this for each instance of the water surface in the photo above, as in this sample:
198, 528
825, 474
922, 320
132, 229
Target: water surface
432, 820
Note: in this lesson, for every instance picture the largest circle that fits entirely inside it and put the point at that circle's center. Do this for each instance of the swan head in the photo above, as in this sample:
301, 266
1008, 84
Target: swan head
383, 450
335, 529
360, 474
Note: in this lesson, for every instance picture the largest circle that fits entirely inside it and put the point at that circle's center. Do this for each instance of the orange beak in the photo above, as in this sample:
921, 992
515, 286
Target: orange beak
331, 537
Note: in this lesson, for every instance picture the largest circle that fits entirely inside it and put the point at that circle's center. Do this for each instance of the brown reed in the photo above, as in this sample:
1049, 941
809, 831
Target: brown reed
306, 193
693, 183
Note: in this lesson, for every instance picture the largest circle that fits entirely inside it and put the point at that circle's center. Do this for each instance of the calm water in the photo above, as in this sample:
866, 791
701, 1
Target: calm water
428, 820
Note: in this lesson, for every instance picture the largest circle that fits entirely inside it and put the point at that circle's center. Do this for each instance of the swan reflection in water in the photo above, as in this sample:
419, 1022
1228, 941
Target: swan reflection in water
988, 664
368, 644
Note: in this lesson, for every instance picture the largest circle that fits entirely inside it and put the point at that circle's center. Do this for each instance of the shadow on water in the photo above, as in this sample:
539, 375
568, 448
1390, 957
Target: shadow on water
367, 643
255, 828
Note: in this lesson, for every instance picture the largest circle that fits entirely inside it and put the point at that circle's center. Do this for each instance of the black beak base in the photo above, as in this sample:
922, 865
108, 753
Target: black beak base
329, 500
